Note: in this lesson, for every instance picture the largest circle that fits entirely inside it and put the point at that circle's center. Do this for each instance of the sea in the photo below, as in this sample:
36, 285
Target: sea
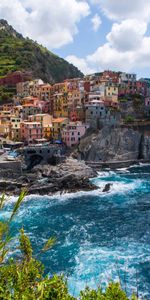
101, 237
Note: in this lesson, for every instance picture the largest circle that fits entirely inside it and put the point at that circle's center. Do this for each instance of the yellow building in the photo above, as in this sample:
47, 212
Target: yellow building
75, 98
60, 105
111, 90
15, 128
48, 132
5, 128
57, 125
61, 87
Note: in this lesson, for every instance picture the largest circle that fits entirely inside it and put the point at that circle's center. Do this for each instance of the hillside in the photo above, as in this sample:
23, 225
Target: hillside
19, 53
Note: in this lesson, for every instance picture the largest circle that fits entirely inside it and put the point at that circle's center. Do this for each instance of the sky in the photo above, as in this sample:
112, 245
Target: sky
94, 35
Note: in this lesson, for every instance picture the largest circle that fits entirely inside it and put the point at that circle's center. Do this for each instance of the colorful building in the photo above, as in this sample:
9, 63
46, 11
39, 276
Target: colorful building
46, 122
57, 125
31, 131
60, 105
29, 109
73, 132
15, 128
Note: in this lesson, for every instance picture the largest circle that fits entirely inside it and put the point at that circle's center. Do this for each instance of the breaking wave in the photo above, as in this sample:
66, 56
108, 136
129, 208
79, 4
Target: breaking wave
100, 236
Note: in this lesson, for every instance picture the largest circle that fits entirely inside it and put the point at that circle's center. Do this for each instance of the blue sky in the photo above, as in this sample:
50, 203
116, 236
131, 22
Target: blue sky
87, 40
94, 35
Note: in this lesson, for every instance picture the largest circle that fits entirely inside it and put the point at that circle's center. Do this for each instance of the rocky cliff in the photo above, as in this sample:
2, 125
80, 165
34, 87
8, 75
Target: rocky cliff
115, 144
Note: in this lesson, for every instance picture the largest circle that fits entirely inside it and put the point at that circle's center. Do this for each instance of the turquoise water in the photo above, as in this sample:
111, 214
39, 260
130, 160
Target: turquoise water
99, 236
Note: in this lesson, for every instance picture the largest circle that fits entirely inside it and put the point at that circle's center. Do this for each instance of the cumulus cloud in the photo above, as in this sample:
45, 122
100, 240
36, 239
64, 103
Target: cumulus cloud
52, 23
81, 63
126, 48
106, 57
124, 9
127, 35
96, 22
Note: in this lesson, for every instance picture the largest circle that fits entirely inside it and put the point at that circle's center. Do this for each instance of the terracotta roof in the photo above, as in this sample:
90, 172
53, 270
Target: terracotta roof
59, 120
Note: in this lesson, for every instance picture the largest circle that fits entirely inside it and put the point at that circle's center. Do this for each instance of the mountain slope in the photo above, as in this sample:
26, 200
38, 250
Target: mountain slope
19, 53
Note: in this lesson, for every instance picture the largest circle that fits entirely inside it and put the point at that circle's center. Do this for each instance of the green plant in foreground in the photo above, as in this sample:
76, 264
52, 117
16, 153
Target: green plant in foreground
24, 279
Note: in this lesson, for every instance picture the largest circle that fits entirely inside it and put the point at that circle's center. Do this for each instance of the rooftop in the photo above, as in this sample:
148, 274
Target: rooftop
59, 120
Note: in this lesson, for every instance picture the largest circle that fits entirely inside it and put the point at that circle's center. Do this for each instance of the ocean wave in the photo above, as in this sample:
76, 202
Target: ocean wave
97, 266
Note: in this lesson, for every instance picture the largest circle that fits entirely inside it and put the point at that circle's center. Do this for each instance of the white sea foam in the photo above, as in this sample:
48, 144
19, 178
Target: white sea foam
100, 265
117, 187
105, 173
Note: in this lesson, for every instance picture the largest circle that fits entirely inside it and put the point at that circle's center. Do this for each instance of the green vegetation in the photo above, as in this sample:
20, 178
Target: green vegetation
23, 279
18, 53
129, 119
6, 94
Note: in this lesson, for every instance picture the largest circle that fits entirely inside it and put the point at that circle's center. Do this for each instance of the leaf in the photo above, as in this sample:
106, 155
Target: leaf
2, 200
17, 204
25, 245
3, 229
49, 244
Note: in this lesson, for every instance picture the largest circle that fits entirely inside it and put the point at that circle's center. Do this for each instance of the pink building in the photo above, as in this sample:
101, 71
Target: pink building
73, 132
31, 131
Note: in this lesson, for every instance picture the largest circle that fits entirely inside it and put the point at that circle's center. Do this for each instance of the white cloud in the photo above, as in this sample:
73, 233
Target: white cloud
126, 48
124, 9
128, 35
96, 22
106, 57
52, 23
81, 63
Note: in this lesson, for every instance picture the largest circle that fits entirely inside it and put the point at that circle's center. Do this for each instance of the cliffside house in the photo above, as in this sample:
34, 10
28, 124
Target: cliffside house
73, 132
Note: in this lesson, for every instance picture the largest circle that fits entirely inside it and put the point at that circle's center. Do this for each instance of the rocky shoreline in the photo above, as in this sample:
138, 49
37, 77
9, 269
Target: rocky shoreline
70, 176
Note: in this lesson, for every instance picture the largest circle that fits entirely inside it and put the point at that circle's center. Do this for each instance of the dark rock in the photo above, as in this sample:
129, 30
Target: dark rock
70, 176
107, 187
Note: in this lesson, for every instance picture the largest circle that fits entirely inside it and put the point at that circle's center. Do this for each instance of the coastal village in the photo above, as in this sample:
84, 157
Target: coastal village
63, 112
42, 127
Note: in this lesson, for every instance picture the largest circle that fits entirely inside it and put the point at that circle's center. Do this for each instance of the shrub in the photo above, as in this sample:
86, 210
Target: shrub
23, 279
129, 119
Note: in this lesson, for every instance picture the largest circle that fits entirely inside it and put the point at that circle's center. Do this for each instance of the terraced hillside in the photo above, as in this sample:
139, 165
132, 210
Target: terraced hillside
19, 53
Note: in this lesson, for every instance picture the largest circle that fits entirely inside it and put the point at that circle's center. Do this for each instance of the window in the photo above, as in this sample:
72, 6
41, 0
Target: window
78, 133
72, 133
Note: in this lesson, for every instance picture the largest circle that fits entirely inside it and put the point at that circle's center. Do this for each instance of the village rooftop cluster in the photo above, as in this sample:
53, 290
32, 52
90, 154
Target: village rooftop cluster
63, 112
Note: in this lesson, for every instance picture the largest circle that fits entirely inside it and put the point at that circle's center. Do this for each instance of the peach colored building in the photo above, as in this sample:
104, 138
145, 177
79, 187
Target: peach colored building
46, 121
30, 131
